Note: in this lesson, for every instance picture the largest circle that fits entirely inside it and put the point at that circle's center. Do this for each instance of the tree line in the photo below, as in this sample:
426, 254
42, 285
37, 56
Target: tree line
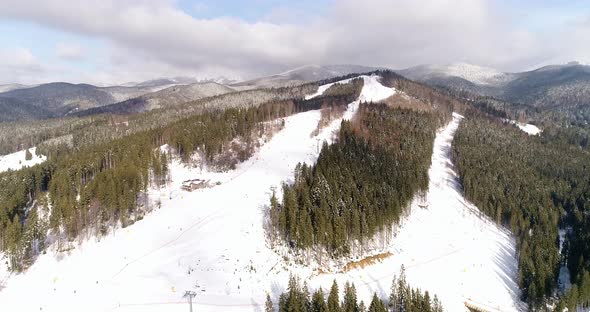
402, 298
532, 185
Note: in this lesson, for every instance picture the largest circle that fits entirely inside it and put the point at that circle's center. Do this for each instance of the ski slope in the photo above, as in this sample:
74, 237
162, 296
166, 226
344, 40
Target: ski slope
212, 241
16, 161
373, 90
449, 248
529, 129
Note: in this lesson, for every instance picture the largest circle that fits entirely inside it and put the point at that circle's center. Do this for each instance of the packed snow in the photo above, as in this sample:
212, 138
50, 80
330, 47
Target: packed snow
212, 238
323, 88
373, 90
529, 129
16, 161
212, 241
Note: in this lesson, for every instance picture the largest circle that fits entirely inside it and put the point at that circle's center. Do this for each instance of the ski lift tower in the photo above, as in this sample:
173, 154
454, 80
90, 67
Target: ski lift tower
189, 294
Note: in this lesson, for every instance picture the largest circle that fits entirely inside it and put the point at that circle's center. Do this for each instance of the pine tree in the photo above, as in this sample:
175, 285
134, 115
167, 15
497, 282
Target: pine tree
28, 155
437, 305
318, 303
283, 304
305, 300
426, 303
362, 307
376, 305
13, 243
403, 296
392, 304
334, 299
349, 301
274, 213
294, 300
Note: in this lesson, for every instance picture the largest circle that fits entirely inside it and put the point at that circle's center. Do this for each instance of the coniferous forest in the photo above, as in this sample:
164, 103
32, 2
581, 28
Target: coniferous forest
534, 186
359, 186
402, 298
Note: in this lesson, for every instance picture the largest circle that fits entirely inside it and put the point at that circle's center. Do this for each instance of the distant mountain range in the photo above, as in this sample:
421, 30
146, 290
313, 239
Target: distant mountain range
60, 99
555, 87
18, 102
170, 96
13, 86
301, 75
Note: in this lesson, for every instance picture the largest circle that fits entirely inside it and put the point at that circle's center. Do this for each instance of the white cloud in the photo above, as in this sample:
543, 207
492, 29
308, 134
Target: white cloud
17, 57
18, 65
372, 32
68, 51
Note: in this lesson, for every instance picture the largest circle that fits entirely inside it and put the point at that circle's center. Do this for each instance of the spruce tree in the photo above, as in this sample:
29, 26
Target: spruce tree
403, 293
318, 303
376, 305
426, 306
283, 304
305, 298
333, 298
392, 304
362, 307
349, 303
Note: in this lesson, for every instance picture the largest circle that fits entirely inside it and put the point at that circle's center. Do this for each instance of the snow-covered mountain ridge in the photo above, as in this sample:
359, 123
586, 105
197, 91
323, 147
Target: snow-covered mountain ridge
475, 74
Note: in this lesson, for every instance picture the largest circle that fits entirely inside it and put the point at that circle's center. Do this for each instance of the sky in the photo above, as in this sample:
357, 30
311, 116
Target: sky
116, 41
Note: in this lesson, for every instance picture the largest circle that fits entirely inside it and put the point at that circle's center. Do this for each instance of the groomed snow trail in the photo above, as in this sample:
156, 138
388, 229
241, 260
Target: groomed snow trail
529, 129
212, 238
449, 248
526, 128
373, 90
16, 161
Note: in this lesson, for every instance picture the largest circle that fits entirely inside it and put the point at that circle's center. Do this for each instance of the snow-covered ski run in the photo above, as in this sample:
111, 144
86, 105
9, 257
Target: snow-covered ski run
212, 241
18, 160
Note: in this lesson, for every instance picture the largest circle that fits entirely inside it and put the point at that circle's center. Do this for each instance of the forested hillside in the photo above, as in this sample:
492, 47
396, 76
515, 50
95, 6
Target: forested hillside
533, 185
54, 99
161, 99
360, 185
18, 135
90, 130
559, 89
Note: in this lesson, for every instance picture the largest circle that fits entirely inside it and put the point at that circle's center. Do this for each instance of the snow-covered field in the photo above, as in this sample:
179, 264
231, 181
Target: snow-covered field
323, 88
527, 128
212, 241
16, 161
